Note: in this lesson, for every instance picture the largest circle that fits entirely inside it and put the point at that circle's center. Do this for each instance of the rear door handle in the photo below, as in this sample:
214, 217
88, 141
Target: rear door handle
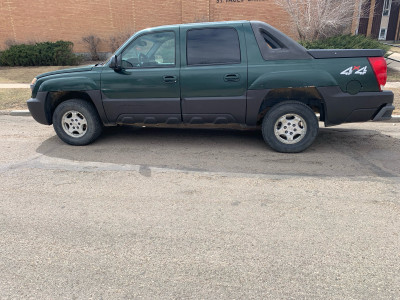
232, 77
170, 79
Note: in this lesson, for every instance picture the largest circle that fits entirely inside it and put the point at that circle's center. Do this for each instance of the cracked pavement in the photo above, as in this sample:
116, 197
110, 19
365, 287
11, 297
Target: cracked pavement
197, 213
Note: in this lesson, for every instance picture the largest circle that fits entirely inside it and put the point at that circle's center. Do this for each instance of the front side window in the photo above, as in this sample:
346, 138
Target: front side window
150, 50
212, 46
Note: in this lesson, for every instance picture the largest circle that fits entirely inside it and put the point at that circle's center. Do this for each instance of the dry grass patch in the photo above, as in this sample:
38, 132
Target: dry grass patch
25, 74
395, 49
14, 98
393, 75
396, 102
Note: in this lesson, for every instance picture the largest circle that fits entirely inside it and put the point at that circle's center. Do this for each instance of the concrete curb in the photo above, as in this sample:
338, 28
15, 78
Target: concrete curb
26, 113
20, 113
15, 113
394, 119
392, 85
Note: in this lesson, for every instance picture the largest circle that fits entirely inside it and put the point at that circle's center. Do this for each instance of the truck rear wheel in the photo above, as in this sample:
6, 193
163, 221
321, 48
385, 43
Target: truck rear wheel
76, 122
290, 127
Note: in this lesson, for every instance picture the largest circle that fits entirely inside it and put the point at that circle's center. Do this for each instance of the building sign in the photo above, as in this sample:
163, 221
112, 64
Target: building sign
238, 1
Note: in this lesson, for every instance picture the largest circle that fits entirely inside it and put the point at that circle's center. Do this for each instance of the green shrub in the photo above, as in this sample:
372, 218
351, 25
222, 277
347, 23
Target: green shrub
345, 42
40, 54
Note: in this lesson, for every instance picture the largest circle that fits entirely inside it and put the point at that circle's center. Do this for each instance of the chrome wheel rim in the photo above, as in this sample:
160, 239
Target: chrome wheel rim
290, 129
74, 123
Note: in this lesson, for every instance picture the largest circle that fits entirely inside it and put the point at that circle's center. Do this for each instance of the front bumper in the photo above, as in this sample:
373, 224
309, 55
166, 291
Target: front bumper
365, 106
37, 107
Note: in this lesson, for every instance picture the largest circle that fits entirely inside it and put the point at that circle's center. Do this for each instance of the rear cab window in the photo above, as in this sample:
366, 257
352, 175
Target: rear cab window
212, 46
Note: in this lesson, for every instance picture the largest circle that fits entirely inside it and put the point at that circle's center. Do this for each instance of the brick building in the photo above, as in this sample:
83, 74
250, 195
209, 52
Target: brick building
49, 20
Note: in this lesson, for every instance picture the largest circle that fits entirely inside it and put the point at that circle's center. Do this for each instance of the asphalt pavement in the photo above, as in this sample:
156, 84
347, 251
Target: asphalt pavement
198, 213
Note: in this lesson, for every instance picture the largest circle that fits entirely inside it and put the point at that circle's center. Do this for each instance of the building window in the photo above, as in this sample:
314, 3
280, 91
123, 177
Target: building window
211, 46
382, 34
386, 7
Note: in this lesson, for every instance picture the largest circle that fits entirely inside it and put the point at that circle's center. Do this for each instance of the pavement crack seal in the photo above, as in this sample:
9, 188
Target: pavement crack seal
86, 166
20, 164
49, 163
145, 171
355, 155
25, 163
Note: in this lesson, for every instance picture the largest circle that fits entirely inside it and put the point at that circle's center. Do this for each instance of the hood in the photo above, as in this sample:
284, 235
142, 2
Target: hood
63, 71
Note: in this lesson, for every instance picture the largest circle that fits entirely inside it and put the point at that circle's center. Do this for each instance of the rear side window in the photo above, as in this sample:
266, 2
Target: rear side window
212, 46
271, 42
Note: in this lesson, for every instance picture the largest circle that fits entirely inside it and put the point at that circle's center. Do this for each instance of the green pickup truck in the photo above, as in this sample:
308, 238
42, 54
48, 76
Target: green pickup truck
243, 72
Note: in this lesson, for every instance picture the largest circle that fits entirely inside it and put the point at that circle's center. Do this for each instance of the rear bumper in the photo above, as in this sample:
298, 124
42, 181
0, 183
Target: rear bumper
385, 113
365, 106
37, 108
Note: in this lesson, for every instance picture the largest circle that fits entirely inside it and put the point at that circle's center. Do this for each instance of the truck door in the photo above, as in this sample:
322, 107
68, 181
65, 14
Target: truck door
213, 74
146, 89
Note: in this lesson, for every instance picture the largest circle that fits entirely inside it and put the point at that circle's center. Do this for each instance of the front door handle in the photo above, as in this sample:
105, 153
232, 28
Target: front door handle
232, 77
170, 79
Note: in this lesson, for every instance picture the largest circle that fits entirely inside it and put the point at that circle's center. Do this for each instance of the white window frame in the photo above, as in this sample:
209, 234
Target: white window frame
387, 4
382, 34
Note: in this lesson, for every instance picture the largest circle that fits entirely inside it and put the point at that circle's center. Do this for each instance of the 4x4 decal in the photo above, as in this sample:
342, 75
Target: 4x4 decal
358, 70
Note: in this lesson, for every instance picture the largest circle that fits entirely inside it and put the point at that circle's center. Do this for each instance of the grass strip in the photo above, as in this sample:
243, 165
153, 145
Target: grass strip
24, 74
14, 98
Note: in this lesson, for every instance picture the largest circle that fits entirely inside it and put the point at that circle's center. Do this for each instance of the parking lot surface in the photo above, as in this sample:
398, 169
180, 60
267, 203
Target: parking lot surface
196, 213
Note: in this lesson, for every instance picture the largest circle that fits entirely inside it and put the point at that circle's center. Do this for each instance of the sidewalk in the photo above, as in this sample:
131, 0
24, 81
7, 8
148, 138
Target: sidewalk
394, 56
393, 61
14, 86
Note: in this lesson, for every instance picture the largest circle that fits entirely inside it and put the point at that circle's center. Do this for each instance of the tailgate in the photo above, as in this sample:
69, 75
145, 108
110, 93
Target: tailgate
345, 53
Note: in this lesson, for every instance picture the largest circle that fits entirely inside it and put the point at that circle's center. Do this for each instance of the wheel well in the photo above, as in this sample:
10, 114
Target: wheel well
307, 95
55, 98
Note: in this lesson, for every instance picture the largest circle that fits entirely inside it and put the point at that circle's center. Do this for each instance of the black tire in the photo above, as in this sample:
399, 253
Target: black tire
77, 122
290, 127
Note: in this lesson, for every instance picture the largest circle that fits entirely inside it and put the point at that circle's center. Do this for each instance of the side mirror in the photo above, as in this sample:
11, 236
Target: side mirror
115, 63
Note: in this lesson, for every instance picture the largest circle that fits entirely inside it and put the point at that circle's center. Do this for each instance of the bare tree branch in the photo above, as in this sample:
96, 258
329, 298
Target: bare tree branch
315, 19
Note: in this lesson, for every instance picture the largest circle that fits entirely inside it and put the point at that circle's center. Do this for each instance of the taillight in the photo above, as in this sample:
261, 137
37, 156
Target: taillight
380, 69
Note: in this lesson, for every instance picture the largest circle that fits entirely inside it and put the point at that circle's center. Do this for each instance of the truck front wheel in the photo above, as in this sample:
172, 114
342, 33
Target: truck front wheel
76, 122
290, 127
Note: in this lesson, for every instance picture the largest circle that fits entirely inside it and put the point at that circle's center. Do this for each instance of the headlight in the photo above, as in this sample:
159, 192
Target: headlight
33, 82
